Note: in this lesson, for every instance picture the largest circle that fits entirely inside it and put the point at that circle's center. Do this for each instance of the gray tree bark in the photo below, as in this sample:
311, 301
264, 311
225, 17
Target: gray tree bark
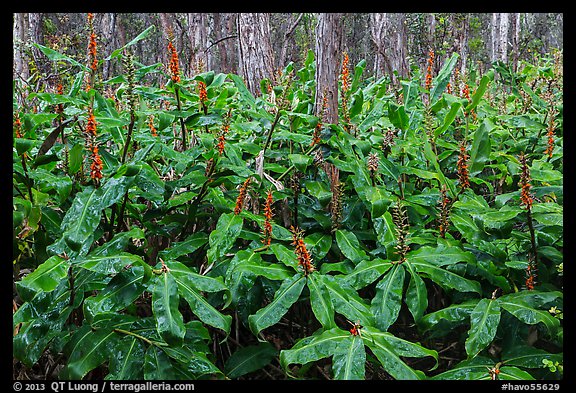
328, 58
198, 36
388, 33
255, 55
20, 66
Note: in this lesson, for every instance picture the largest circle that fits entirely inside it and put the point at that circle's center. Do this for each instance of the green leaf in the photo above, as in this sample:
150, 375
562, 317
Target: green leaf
388, 298
127, 360
149, 30
249, 359
397, 115
481, 147
446, 278
45, 278
474, 369
120, 292
55, 56
441, 255
75, 157
223, 237
320, 301
366, 272
416, 294
480, 90
108, 264
346, 301
188, 246
350, 246
87, 350
158, 366
258, 267
484, 320
313, 348
441, 80
448, 118
401, 347
529, 315
514, 374
529, 357
165, 301
285, 296
318, 244
23, 145
189, 286
388, 357
349, 360
300, 161
455, 314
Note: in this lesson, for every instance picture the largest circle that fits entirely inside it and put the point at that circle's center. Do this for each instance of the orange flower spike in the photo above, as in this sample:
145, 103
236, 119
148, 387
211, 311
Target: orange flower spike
268, 214
174, 63
221, 144
91, 124
18, 126
96, 165
525, 195
202, 94
151, 125
428, 82
241, 197
304, 258
462, 165
92, 51
345, 73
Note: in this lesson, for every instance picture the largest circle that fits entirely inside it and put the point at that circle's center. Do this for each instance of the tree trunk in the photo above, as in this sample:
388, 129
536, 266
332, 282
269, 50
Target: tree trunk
388, 32
495, 30
255, 55
328, 56
291, 27
503, 38
515, 39
108, 40
20, 67
198, 36
35, 36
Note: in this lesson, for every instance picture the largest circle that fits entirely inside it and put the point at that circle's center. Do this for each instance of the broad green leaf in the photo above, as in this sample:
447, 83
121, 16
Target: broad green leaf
249, 359
446, 278
480, 90
366, 272
87, 350
349, 360
320, 301
441, 80
484, 320
127, 360
300, 161
120, 292
223, 237
285, 296
136, 39
192, 363
455, 314
350, 246
313, 348
346, 301
509, 373
272, 271
189, 286
150, 184
529, 315
481, 147
448, 118
401, 347
188, 246
158, 366
416, 295
384, 227
388, 298
165, 301
108, 264
389, 358
55, 55
45, 277
318, 244
397, 115
285, 256
441, 255
529, 357
474, 369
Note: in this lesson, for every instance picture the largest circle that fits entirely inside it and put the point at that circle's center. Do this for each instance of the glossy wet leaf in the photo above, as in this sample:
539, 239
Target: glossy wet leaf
366, 272
484, 320
388, 297
165, 301
46, 277
416, 294
350, 246
320, 301
127, 360
349, 360
285, 296
346, 301
249, 359
223, 237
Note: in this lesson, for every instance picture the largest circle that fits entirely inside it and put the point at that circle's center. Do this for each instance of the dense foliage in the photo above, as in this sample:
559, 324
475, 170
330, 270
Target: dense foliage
194, 231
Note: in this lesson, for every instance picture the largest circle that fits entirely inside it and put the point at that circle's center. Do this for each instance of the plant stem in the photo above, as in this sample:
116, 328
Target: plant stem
128, 137
147, 341
182, 125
